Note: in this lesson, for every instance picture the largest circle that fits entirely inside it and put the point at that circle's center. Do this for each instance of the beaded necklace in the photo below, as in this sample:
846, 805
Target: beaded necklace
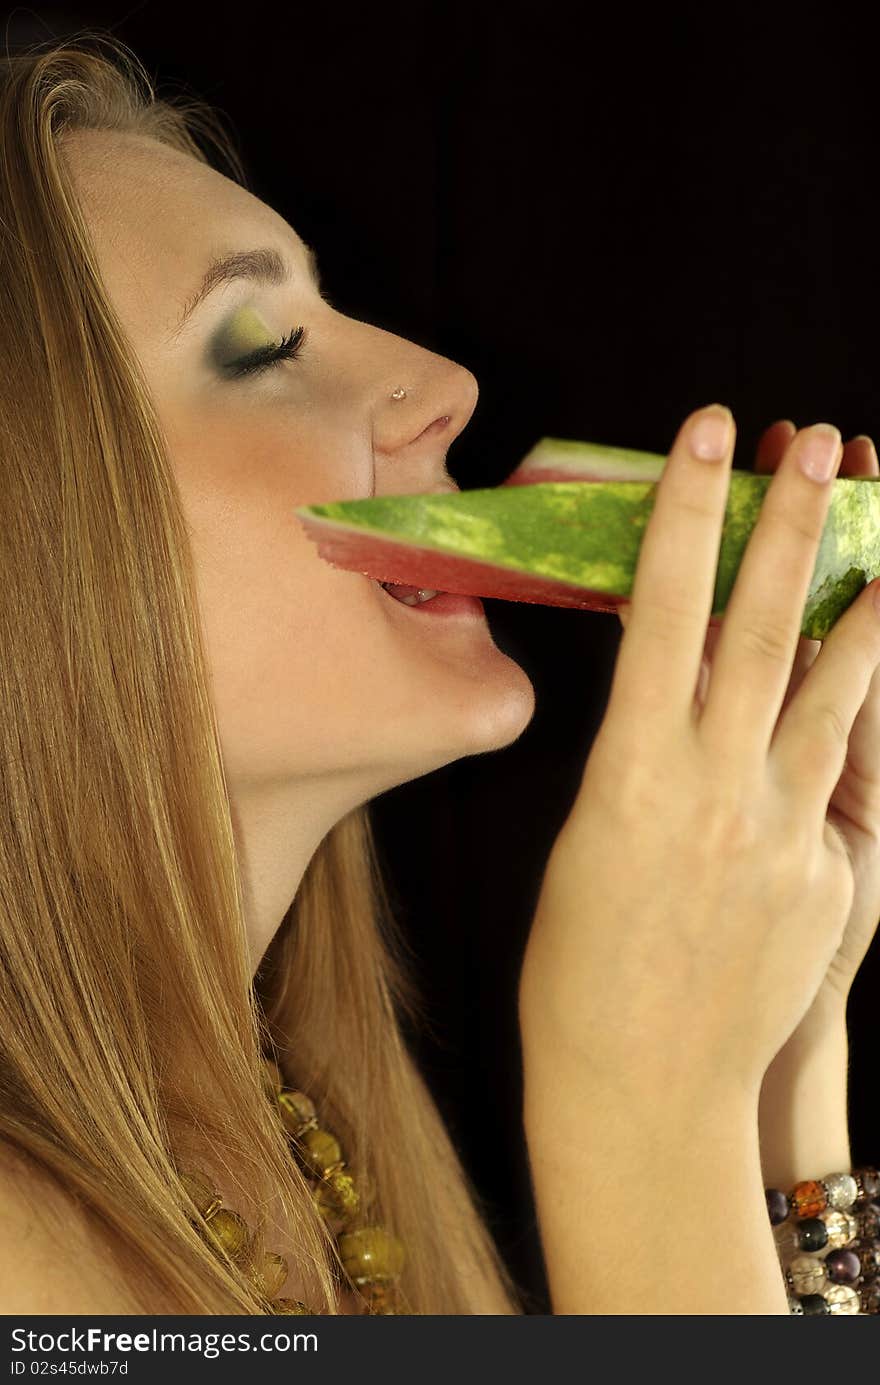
371, 1257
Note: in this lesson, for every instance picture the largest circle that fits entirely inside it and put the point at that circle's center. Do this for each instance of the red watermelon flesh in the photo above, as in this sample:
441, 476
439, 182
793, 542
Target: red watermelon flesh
427, 569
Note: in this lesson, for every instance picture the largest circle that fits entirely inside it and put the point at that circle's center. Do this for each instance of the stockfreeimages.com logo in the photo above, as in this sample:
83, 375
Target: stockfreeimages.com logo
207, 1344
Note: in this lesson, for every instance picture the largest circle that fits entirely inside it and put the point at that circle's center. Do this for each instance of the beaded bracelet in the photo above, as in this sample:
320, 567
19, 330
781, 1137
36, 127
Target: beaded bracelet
827, 1234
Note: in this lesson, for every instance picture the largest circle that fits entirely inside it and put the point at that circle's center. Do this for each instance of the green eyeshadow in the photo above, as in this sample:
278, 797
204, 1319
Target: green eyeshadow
245, 331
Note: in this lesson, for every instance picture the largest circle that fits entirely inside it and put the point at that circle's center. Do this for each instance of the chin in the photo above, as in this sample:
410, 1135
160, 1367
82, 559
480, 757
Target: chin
501, 718
476, 727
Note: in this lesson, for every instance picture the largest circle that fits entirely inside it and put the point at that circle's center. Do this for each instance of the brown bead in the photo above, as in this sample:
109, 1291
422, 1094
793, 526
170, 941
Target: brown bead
290, 1305
869, 1259
228, 1230
808, 1199
336, 1196
273, 1078
870, 1296
269, 1274
297, 1111
201, 1192
370, 1253
868, 1221
868, 1179
843, 1266
320, 1150
380, 1299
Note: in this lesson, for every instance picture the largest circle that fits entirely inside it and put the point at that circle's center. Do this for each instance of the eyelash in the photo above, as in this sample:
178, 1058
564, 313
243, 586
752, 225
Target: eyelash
267, 356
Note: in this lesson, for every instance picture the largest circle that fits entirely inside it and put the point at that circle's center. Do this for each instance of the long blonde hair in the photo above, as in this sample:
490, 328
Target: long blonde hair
121, 923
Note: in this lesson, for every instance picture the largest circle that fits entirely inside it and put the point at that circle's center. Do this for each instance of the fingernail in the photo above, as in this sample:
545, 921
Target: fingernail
711, 433
818, 451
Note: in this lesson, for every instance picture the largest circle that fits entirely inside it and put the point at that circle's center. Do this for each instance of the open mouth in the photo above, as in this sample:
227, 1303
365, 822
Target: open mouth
434, 603
409, 596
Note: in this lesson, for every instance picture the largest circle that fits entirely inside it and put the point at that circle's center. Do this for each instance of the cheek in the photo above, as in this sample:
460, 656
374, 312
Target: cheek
242, 473
278, 624
286, 642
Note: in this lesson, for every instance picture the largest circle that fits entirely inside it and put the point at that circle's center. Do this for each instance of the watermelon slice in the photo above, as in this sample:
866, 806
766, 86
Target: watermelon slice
565, 529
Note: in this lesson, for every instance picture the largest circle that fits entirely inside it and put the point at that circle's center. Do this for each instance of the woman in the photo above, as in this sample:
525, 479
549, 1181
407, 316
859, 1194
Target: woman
196, 713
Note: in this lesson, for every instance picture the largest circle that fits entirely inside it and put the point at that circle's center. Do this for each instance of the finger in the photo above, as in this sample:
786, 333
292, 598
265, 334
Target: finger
705, 662
859, 795
773, 443
762, 620
803, 660
859, 454
658, 660
810, 747
859, 457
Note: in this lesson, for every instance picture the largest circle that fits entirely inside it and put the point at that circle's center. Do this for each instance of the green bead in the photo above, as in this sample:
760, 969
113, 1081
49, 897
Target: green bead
228, 1231
813, 1304
371, 1254
336, 1196
269, 1275
297, 1111
320, 1150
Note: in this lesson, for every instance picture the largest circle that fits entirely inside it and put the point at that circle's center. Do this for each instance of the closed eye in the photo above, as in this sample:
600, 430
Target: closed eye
264, 357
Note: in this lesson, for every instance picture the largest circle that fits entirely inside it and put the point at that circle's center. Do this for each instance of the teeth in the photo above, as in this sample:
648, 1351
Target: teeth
414, 597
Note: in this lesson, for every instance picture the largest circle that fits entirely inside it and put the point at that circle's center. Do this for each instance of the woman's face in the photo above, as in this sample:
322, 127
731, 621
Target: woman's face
318, 675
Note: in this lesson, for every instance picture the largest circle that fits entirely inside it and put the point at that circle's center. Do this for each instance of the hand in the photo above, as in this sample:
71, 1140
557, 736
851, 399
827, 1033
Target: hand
696, 895
854, 807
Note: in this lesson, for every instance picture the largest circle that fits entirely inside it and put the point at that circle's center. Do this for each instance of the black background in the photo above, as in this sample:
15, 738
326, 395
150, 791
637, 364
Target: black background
611, 217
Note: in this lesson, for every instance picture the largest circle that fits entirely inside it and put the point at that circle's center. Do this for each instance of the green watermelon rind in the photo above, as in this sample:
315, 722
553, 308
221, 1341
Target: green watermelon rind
588, 533
566, 455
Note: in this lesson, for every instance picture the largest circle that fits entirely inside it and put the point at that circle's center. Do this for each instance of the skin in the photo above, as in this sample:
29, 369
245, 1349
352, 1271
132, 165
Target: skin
854, 807
328, 692
803, 1112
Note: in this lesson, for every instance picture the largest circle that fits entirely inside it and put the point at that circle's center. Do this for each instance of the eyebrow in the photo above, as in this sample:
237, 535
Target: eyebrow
262, 266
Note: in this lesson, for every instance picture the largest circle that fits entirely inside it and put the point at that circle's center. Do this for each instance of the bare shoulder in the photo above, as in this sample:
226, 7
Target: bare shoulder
51, 1260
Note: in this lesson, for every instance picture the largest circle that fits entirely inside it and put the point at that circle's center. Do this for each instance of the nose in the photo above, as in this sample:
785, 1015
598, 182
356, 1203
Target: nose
438, 426
438, 403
